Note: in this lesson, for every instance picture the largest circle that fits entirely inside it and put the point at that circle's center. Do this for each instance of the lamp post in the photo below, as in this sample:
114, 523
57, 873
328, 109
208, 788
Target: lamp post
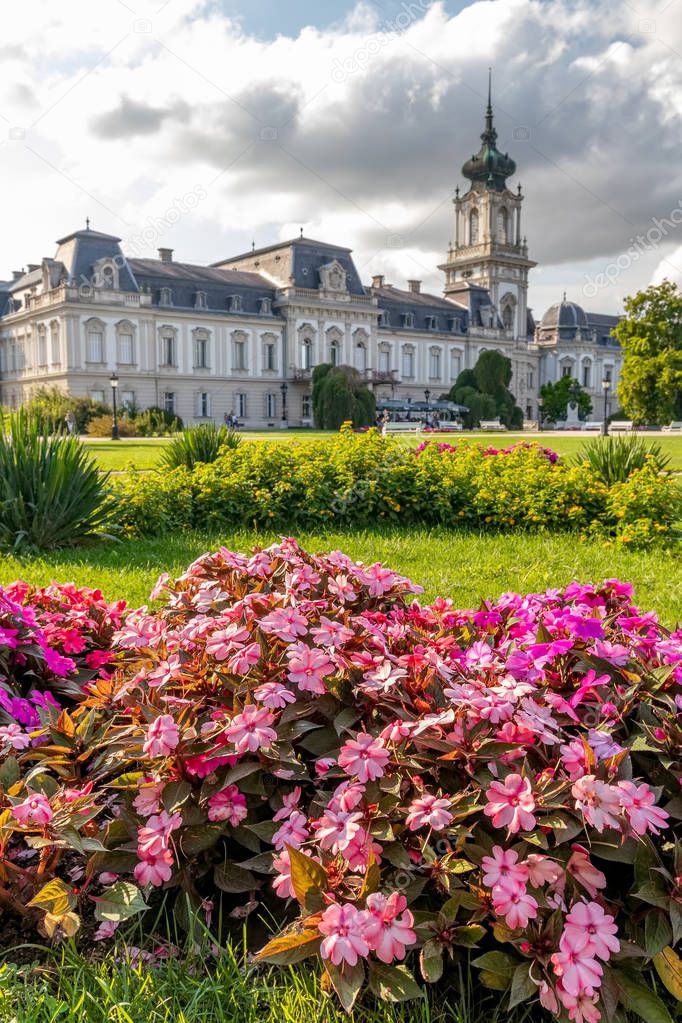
427, 395
284, 388
606, 384
409, 408
541, 402
113, 380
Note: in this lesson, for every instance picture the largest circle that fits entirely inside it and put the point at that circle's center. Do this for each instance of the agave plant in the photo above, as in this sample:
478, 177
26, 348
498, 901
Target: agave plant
203, 443
614, 459
52, 494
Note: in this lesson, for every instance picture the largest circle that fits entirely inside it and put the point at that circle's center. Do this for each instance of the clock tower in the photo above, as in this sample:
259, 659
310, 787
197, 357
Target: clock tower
489, 249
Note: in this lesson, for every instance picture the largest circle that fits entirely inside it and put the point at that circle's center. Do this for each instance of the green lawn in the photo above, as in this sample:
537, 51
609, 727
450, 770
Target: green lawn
144, 453
465, 566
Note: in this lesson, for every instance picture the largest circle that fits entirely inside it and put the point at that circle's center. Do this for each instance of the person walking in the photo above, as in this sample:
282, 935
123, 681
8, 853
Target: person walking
71, 424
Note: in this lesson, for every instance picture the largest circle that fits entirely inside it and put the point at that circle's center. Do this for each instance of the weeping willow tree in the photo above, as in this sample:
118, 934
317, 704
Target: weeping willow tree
340, 395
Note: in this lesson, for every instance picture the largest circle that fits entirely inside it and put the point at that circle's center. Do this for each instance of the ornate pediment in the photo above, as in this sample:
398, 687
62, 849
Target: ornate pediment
333, 277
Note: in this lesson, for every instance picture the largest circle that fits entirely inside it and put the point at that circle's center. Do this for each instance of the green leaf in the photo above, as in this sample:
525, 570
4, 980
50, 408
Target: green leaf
9, 772
231, 878
641, 1000
175, 795
119, 902
522, 986
431, 961
198, 839
657, 932
500, 963
467, 936
347, 981
393, 983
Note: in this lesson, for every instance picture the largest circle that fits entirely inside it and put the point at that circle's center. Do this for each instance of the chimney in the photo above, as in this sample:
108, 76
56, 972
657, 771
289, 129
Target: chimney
415, 286
16, 274
378, 281
33, 266
166, 255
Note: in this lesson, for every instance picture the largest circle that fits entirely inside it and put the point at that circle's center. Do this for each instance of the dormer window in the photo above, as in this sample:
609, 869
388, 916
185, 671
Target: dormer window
265, 306
108, 277
200, 300
408, 319
235, 303
431, 323
384, 318
455, 324
165, 296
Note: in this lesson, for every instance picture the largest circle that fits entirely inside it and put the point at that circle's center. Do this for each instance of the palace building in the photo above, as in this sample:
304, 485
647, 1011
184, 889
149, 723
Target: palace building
243, 335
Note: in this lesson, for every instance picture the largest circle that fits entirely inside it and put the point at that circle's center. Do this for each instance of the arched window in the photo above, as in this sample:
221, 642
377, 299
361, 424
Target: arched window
42, 346
384, 358
502, 225
434, 364
108, 277
94, 341
125, 353
201, 349
587, 374
334, 338
168, 355
239, 351
455, 363
306, 353
473, 227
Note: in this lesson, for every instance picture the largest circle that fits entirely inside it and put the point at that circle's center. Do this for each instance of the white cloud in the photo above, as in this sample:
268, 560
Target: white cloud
357, 132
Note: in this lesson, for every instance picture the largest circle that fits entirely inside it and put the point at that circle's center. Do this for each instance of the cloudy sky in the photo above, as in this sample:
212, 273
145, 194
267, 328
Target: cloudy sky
204, 125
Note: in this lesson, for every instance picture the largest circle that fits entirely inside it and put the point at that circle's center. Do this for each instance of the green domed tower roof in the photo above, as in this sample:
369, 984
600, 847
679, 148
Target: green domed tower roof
489, 169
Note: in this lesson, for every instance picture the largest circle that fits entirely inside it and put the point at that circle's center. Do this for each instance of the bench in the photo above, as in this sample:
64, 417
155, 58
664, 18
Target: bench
620, 425
494, 425
673, 428
591, 425
401, 428
448, 428
530, 425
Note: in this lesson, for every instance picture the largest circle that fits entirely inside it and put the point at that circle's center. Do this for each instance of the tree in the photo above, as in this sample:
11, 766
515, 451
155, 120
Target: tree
485, 391
555, 398
650, 334
51, 404
340, 395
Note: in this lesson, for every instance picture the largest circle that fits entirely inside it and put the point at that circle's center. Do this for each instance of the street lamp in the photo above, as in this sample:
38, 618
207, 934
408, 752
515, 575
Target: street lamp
427, 395
541, 402
409, 408
284, 388
113, 380
606, 384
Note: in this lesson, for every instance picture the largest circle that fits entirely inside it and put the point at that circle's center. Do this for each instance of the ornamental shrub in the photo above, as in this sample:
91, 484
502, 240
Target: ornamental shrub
52, 494
397, 783
101, 426
197, 444
365, 480
614, 459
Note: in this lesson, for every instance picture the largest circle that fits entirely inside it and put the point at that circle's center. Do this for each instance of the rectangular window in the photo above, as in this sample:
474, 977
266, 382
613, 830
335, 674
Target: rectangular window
270, 405
125, 349
128, 399
306, 406
42, 349
55, 355
269, 361
239, 355
95, 346
168, 350
384, 361
586, 376
408, 364
607, 375
241, 405
201, 353
455, 363
434, 365
565, 371
169, 401
97, 396
530, 378
204, 405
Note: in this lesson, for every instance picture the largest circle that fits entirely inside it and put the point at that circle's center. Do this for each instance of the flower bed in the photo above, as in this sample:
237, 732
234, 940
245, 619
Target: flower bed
414, 781
367, 480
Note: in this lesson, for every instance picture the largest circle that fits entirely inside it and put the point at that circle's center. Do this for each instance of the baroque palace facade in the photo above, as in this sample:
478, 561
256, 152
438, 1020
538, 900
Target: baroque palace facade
242, 336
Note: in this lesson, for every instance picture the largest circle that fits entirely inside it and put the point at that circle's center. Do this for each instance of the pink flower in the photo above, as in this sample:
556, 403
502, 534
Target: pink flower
598, 802
154, 836
343, 927
584, 871
294, 831
336, 830
515, 905
273, 695
227, 805
148, 799
243, 660
308, 667
162, 737
543, 870
290, 801
15, 736
590, 930
365, 757
638, 803
578, 972
155, 871
386, 933
286, 623
106, 930
510, 804
581, 1008
428, 810
502, 866
35, 809
251, 730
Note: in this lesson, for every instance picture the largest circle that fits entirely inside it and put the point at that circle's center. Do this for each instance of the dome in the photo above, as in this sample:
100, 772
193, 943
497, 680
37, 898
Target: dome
564, 314
489, 168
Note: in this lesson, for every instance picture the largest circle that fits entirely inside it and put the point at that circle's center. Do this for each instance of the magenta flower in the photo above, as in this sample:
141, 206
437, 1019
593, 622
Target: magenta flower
510, 804
251, 730
385, 931
35, 809
162, 737
364, 757
153, 838
515, 904
344, 941
227, 805
578, 972
589, 929
638, 803
293, 832
428, 811
581, 1008
336, 830
155, 871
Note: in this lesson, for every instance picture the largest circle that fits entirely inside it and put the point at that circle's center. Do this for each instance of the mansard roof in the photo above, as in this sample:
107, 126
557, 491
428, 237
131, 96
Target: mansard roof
175, 271
81, 250
421, 305
304, 259
186, 279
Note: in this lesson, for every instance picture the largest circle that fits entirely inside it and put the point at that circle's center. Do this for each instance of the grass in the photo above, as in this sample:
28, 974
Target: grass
145, 453
463, 565
202, 990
